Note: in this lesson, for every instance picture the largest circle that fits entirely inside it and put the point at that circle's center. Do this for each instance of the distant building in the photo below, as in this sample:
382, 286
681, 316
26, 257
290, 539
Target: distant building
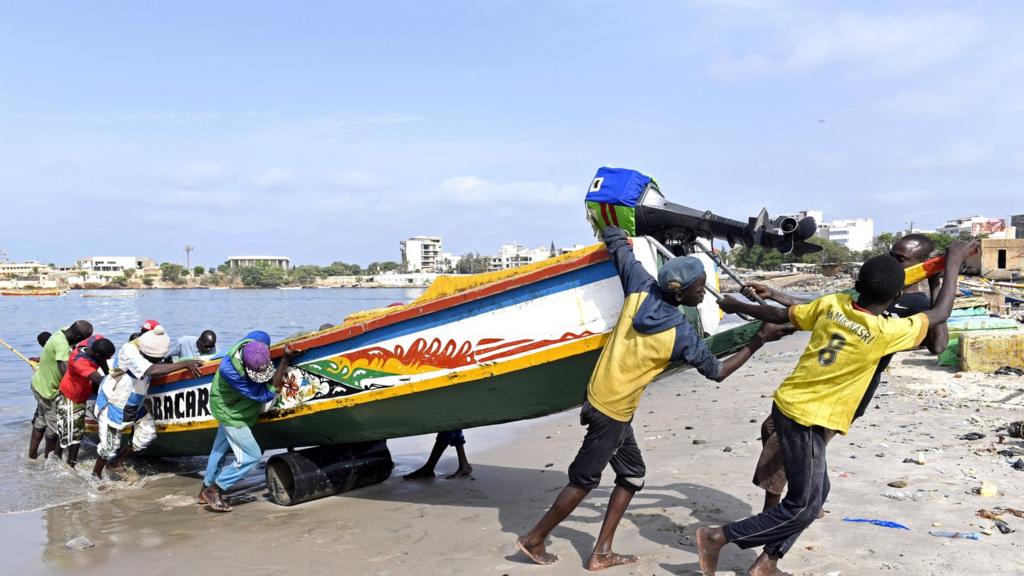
819, 219
113, 266
446, 263
282, 262
1017, 222
798, 267
421, 253
818, 215
997, 259
514, 256
567, 249
973, 226
1008, 233
854, 233
27, 268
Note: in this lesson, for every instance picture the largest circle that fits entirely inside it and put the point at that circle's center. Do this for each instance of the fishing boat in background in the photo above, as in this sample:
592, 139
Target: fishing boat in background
34, 292
110, 294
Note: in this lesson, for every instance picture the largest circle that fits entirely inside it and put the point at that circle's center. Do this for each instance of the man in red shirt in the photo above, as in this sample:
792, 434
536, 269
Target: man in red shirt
86, 367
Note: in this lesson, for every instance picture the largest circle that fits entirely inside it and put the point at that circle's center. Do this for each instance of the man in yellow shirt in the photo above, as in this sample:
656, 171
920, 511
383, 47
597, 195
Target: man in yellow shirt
650, 334
823, 392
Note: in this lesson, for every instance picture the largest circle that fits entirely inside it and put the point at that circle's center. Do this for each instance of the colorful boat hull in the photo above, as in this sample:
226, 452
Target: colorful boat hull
40, 292
474, 351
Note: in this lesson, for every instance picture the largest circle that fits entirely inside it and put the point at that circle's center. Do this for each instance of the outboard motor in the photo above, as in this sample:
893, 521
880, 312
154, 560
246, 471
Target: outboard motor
632, 201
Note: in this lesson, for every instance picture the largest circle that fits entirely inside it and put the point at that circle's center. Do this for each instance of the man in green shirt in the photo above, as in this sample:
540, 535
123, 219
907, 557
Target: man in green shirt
53, 363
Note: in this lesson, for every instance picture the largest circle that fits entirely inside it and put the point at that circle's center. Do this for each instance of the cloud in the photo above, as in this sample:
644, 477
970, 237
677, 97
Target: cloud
475, 191
195, 174
960, 155
992, 85
355, 180
901, 196
273, 178
797, 42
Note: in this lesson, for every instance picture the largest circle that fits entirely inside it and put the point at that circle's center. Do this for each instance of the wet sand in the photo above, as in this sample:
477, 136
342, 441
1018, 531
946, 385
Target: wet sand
468, 526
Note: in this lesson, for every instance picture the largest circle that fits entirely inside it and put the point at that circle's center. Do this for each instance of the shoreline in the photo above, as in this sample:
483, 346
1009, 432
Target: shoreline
469, 526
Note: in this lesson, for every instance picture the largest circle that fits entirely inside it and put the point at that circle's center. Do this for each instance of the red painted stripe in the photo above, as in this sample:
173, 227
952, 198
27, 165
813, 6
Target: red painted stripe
402, 315
615, 215
604, 214
933, 265
499, 347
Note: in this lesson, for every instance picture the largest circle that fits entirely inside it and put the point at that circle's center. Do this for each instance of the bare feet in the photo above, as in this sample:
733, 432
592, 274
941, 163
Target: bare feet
765, 565
463, 472
709, 544
201, 498
421, 474
600, 561
537, 553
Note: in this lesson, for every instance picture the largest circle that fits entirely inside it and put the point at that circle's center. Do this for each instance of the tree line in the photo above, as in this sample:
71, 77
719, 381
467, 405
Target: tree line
261, 275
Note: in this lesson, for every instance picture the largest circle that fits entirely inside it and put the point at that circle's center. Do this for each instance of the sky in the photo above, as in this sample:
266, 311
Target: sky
329, 131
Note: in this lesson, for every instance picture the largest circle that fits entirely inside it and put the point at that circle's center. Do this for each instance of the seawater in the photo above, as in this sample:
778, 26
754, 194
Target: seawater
231, 314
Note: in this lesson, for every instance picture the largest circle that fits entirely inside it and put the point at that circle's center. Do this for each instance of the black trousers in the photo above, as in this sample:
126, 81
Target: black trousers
608, 441
803, 456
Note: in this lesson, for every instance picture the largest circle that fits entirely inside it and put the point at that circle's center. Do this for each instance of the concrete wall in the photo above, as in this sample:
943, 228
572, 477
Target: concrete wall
987, 261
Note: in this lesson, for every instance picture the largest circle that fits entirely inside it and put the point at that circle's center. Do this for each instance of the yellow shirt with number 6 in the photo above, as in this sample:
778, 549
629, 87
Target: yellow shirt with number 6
835, 369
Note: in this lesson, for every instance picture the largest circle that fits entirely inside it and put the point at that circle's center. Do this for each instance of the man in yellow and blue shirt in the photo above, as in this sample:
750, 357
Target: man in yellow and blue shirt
650, 334
821, 395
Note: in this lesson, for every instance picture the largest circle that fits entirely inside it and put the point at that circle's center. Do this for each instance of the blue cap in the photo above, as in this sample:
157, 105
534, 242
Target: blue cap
680, 273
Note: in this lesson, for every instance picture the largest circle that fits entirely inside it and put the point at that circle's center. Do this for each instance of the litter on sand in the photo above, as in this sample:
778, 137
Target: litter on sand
882, 523
952, 534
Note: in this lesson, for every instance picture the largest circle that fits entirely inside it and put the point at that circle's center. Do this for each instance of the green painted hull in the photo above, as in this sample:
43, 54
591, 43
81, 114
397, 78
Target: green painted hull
528, 393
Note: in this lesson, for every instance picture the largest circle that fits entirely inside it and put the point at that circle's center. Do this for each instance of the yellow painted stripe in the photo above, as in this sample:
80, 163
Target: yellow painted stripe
567, 350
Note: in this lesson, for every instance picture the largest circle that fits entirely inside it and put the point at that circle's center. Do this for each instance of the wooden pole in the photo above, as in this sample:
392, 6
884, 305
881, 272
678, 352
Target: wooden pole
18, 354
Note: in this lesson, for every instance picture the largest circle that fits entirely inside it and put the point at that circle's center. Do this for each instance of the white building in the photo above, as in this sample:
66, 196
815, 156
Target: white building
513, 256
282, 262
818, 215
27, 268
421, 253
113, 266
973, 226
854, 233
819, 219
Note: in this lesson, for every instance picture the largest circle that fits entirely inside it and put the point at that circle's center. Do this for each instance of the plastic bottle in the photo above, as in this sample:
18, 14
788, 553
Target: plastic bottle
953, 534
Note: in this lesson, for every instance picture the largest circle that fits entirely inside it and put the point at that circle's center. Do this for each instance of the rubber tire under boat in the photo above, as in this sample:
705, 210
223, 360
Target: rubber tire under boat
313, 473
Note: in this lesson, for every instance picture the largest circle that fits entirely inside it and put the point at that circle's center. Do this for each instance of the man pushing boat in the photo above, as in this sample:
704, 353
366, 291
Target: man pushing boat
650, 333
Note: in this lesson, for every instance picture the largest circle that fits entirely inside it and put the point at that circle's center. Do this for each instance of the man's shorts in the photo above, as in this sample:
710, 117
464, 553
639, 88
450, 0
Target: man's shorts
109, 445
70, 421
45, 417
770, 473
452, 438
608, 441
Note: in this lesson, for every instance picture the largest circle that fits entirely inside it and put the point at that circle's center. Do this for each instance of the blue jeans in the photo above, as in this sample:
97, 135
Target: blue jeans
241, 443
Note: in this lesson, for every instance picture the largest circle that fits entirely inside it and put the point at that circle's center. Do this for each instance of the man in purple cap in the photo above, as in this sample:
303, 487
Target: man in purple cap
244, 382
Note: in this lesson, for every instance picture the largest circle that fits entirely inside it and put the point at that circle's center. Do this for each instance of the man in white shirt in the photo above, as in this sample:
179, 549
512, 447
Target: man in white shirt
120, 402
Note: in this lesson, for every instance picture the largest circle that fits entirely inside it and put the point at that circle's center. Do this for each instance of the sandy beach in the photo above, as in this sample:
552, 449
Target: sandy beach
468, 526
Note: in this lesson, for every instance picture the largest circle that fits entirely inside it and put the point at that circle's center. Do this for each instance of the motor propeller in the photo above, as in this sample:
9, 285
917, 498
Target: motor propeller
676, 226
